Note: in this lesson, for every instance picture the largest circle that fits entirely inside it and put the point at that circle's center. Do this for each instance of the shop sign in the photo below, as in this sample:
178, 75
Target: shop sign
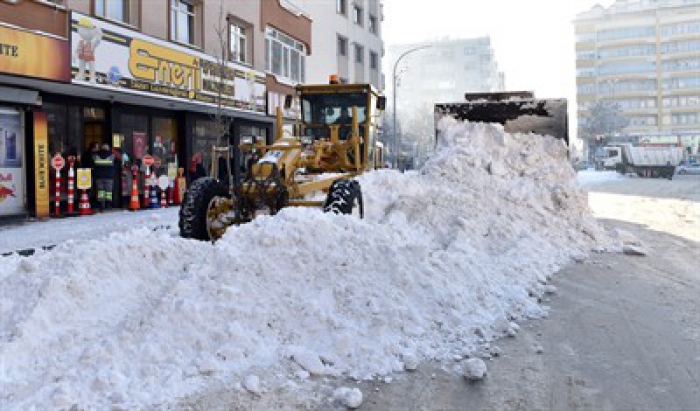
115, 58
148, 160
32, 55
11, 169
84, 178
41, 164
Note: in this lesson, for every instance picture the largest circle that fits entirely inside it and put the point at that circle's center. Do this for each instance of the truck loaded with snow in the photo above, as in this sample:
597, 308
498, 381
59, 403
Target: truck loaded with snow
650, 161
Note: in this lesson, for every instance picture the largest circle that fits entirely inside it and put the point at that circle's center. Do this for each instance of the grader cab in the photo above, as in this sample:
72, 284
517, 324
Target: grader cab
334, 140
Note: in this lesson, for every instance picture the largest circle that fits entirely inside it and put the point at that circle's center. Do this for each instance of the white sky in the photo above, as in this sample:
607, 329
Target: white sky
533, 39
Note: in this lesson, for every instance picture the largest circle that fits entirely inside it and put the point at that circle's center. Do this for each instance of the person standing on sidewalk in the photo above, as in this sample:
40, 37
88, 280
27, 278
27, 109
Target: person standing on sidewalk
104, 176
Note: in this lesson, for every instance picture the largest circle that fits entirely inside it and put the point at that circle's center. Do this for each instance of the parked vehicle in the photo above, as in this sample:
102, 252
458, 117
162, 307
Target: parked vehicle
654, 162
691, 168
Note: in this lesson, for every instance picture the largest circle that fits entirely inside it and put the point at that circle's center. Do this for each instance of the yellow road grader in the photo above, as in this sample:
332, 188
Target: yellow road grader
334, 140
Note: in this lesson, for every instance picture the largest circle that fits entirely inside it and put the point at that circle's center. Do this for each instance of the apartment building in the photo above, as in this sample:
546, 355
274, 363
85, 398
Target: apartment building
645, 56
445, 70
347, 41
432, 72
144, 76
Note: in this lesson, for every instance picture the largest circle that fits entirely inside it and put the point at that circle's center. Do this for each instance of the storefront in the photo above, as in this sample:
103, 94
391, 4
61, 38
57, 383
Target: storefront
161, 99
26, 54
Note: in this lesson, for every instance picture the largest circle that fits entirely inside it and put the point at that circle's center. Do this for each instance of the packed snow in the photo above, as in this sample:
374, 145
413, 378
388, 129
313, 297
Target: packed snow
38, 234
447, 259
590, 178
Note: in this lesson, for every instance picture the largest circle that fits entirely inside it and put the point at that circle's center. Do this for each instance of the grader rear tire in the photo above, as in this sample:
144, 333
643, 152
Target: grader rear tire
344, 197
193, 212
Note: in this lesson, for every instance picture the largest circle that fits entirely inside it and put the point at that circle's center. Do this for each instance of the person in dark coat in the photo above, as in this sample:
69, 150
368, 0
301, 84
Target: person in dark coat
104, 175
196, 168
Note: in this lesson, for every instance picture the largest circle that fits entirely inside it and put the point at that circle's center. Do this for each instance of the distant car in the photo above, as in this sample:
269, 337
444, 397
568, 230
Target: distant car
689, 168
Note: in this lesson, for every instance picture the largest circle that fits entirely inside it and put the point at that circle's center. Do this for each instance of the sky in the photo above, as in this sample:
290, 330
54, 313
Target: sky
533, 39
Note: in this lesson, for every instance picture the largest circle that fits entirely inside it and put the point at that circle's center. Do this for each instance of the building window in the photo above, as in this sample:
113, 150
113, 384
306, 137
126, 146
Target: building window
372, 24
341, 6
285, 56
373, 60
182, 21
359, 54
238, 43
342, 46
357, 15
117, 10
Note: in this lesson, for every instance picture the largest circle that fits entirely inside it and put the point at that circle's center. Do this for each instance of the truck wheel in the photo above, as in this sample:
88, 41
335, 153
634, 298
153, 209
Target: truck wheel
344, 197
193, 211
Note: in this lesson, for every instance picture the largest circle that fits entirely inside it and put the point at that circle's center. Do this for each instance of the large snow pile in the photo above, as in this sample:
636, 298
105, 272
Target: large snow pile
446, 259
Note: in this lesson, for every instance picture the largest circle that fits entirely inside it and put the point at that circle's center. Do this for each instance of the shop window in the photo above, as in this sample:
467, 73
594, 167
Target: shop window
134, 128
204, 141
164, 144
182, 21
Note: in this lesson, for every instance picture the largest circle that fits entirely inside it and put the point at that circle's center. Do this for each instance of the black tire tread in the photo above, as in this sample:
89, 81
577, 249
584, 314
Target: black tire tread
343, 196
193, 211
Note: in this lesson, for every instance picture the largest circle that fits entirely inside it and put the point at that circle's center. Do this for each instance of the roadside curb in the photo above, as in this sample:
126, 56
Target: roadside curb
28, 252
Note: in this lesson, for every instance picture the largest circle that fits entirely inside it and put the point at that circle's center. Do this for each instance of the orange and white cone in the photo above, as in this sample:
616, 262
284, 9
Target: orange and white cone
84, 206
134, 204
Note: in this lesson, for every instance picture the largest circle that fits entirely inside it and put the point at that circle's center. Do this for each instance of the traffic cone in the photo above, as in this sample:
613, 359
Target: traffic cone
134, 204
84, 206
163, 201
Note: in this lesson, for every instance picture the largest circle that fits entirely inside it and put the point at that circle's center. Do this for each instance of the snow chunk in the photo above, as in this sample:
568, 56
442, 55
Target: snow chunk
474, 369
348, 397
252, 384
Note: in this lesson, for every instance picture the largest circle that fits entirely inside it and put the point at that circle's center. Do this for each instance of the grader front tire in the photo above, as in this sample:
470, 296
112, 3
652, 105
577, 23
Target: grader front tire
193, 212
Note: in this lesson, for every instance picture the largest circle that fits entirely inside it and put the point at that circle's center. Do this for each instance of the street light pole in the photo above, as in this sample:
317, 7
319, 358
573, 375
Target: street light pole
397, 141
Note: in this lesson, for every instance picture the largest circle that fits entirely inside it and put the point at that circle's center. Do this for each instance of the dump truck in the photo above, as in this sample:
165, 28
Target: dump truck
650, 161
334, 141
517, 111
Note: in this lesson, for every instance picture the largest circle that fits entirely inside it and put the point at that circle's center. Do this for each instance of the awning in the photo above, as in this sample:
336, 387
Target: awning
20, 96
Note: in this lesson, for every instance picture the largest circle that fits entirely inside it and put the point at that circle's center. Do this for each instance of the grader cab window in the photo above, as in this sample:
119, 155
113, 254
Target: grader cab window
322, 110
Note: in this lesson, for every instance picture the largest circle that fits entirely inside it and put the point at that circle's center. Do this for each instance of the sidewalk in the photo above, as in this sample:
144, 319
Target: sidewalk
30, 235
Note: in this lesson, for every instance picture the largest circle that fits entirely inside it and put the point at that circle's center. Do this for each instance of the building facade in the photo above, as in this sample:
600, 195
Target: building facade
441, 72
643, 55
347, 41
166, 79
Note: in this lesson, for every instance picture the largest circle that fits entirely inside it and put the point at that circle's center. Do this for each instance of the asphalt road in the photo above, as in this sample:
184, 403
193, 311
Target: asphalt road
623, 334
623, 331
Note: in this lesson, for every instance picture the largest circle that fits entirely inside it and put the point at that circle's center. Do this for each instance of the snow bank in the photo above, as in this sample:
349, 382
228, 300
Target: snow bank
447, 258
590, 178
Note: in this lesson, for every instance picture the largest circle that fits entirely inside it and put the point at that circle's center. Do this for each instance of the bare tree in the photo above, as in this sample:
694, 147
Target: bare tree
221, 84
